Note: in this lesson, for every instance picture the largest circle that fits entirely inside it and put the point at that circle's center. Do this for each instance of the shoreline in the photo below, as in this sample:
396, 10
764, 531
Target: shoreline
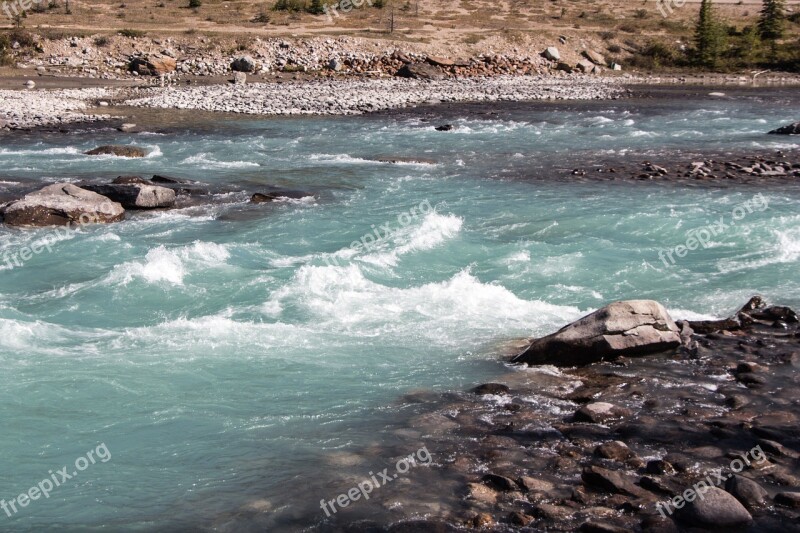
68, 102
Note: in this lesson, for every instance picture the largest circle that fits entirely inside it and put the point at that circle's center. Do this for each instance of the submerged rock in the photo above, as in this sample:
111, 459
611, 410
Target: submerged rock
120, 151
791, 129
258, 198
627, 328
60, 205
133, 194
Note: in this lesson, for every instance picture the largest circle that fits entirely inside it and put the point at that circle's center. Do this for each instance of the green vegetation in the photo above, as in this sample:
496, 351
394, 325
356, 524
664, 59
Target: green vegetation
770, 23
132, 33
708, 37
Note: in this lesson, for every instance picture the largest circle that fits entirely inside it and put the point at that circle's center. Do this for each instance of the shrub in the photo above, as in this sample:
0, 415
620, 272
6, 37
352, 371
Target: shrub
132, 33
194, 4
101, 41
289, 5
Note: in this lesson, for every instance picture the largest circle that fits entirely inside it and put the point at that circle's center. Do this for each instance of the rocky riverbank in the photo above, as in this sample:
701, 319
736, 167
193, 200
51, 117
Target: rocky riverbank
360, 96
688, 439
32, 109
36, 108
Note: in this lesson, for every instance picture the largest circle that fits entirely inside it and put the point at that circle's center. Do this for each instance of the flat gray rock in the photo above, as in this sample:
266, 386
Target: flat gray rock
627, 328
62, 204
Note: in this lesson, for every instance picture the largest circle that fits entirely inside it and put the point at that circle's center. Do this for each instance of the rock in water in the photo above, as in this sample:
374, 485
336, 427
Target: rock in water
155, 65
60, 205
633, 327
136, 195
121, 151
791, 129
258, 197
423, 71
747, 491
714, 508
243, 64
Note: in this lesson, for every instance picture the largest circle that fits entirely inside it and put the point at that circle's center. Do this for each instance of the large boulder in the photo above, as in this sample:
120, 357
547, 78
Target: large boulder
120, 151
791, 129
423, 71
62, 204
136, 195
243, 64
154, 65
627, 328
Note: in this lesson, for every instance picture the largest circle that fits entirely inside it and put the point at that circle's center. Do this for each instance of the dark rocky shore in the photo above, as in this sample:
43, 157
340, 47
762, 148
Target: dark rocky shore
699, 437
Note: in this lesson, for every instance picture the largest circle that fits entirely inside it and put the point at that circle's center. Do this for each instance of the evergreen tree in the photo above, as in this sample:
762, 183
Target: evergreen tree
770, 25
317, 7
708, 36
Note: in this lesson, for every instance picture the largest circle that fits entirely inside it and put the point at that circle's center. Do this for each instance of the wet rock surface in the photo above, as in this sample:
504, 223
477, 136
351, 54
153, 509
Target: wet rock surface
62, 204
534, 467
633, 327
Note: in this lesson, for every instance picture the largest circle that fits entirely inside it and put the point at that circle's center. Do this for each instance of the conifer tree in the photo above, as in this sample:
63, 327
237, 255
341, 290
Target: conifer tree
708, 36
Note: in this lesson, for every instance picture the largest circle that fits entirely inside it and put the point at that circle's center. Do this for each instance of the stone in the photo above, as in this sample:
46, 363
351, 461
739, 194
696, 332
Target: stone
627, 328
551, 53
127, 127
137, 195
519, 519
659, 467
481, 493
748, 492
715, 509
791, 129
601, 527
482, 520
119, 151
444, 127
788, 499
440, 61
62, 204
334, 64
271, 196
609, 481
243, 64
491, 388
30, 84
423, 71
614, 450
585, 66
155, 65
500, 483
598, 412
616, 66
531, 484
595, 57
239, 78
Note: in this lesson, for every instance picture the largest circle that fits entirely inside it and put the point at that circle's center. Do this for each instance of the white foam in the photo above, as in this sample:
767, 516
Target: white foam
446, 312
162, 265
207, 162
